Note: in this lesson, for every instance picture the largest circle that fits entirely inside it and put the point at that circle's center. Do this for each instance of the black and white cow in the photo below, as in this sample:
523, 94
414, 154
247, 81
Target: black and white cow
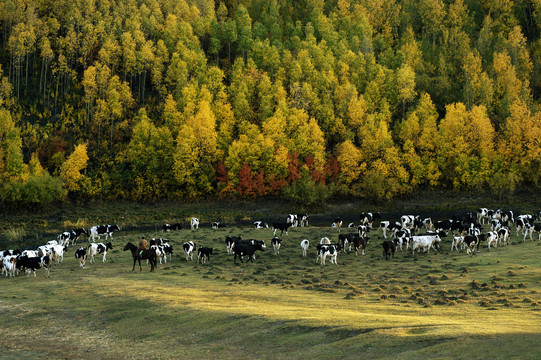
302, 219
472, 242
241, 249
71, 237
97, 231
388, 226
261, 225
324, 251
457, 240
282, 227
169, 227
292, 219
194, 223
530, 229
492, 238
389, 249
189, 248
276, 243
362, 230
507, 215
304, 246
368, 218
408, 221
346, 240
5, 253
80, 255
158, 241
482, 215
230, 243
203, 254
503, 235
218, 225
337, 224
31, 264
403, 237
98, 248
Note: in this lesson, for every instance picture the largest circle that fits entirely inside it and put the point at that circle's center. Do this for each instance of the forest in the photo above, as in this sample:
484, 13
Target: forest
302, 99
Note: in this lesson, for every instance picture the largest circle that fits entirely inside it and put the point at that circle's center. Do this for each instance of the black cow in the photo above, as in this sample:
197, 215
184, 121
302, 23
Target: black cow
31, 264
242, 249
203, 254
389, 248
282, 227
359, 242
218, 225
345, 240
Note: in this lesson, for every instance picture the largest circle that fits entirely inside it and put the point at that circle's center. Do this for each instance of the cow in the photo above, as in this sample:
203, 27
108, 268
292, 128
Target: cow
388, 226
194, 223
45, 250
362, 230
457, 240
57, 253
482, 215
522, 220
242, 249
337, 224
98, 248
218, 225
304, 246
345, 239
359, 242
80, 255
302, 219
71, 237
282, 227
30, 253
203, 254
169, 227
5, 253
530, 229
160, 253
425, 242
472, 242
276, 243
292, 219
52, 243
10, 265
31, 264
403, 237
189, 248
167, 250
503, 235
408, 221
368, 218
389, 249
158, 241
98, 230
427, 223
254, 242
492, 238
325, 240
331, 250
230, 243
507, 215
261, 225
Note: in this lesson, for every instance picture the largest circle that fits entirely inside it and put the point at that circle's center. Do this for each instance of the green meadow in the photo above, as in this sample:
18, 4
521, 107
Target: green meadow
431, 305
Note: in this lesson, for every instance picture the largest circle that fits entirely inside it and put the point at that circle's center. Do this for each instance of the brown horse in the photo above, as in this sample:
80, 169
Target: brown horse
149, 255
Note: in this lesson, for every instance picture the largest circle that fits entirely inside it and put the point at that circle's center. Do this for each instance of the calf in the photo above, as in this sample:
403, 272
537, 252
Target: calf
203, 254
169, 227
80, 255
304, 246
242, 249
194, 223
359, 242
98, 248
389, 248
276, 243
189, 248
282, 227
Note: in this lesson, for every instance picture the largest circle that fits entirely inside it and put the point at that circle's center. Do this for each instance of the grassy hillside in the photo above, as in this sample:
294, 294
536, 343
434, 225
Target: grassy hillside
446, 305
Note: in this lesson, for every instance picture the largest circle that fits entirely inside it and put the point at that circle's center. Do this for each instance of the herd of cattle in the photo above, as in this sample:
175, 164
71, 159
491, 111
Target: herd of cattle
410, 231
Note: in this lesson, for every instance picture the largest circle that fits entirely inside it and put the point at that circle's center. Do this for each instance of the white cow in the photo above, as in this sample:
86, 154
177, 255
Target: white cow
424, 242
194, 223
304, 246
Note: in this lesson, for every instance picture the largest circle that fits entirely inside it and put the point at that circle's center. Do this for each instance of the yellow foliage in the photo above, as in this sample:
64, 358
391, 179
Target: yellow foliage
70, 172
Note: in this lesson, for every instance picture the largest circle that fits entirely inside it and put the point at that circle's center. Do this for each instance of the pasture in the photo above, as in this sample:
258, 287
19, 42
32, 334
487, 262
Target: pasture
444, 304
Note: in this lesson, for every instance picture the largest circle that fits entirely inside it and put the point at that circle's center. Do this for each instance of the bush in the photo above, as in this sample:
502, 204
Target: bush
307, 192
39, 189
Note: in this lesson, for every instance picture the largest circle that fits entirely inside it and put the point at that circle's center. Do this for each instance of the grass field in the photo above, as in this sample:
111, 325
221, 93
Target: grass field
436, 305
